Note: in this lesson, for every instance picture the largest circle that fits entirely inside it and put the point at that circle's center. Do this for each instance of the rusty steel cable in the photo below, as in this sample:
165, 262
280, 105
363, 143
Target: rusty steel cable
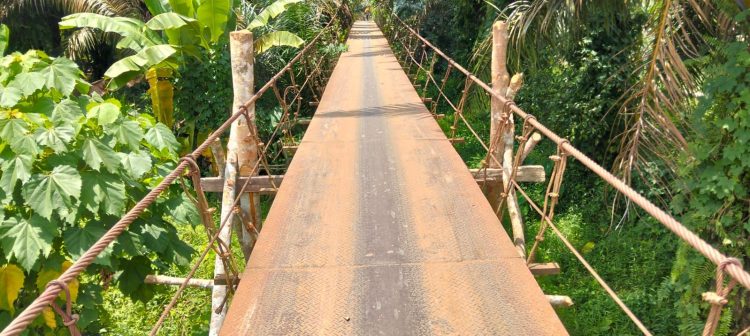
298, 95
433, 108
585, 263
235, 203
430, 77
714, 255
203, 254
24, 319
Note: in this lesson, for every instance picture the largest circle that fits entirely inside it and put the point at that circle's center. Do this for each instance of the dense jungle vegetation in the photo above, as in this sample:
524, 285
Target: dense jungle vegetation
656, 91
100, 98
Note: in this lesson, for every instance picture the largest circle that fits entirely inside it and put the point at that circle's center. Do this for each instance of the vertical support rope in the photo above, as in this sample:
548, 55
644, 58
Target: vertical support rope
550, 199
718, 299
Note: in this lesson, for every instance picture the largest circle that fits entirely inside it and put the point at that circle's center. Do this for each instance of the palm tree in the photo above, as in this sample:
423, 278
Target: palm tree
33, 25
652, 112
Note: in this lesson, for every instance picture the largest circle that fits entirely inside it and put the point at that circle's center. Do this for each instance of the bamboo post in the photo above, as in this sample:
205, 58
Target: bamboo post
501, 137
242, 156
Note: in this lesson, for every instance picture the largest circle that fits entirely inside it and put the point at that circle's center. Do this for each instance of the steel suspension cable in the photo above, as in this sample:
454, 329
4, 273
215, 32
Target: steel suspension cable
585, 263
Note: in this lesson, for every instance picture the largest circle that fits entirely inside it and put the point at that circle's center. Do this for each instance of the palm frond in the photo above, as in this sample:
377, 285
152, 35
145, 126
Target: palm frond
654, 110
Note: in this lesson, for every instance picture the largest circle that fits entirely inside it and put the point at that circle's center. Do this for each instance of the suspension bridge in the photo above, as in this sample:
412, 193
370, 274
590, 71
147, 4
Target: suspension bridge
377, 226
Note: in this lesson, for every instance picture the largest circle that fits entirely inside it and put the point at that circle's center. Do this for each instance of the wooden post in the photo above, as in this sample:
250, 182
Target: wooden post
242, 155
501, 138
559, 301
245, 144
533, 141
514, 211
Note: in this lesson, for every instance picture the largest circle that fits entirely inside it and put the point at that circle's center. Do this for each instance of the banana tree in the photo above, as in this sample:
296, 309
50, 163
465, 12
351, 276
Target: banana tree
178, 29
267, 40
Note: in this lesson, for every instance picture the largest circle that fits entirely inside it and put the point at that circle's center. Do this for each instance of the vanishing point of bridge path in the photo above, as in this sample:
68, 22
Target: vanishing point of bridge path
379, 228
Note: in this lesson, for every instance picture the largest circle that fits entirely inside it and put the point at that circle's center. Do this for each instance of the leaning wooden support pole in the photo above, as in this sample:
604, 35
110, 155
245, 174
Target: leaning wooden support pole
502, 134
514, 211
530, 145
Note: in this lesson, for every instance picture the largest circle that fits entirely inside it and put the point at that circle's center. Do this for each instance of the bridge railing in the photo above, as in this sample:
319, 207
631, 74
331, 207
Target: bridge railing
414, 52
311, 63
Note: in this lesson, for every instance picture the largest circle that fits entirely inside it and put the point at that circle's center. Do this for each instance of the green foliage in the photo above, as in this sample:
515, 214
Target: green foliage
162, 42
714, 182
276, 39
4, 36
266, 37
71, 165
271, 11
196, 110
214, 15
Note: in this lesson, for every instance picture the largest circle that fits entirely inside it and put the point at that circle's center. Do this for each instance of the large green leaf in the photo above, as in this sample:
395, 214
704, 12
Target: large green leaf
126, 132
214, 15
25, 144
26, 239
79, 239
66, 112
62, 74
9, 96
157, 7
130, 281
154, 236
55, 138
271, 11
144, 59
12, 128
15, 168
104, 192
57, 190
97, 154
28, 82
105, 112
276, 39
162, 138
183, 7
169, 20
183, 210
4, 38
136, 164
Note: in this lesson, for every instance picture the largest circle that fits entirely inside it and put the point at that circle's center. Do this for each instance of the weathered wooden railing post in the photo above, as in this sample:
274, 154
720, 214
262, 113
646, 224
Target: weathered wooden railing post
502, 133
241, 160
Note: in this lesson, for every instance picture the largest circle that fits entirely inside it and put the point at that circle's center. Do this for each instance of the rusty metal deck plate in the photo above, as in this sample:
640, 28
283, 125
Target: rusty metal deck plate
379, 228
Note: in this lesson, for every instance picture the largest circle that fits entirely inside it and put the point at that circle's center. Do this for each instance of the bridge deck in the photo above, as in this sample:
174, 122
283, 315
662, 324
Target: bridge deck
379, 229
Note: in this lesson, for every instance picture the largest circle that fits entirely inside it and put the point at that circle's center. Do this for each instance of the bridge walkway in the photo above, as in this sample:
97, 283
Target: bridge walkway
379, 228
